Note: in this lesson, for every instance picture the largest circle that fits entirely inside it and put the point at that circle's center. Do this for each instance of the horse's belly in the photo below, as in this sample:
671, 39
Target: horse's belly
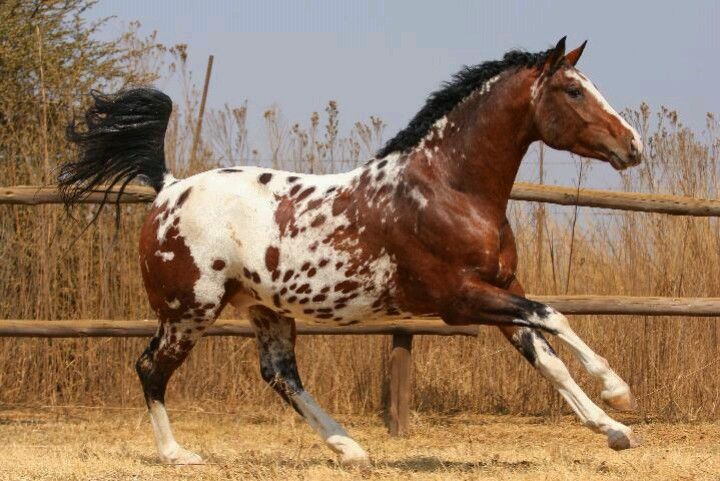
322, 290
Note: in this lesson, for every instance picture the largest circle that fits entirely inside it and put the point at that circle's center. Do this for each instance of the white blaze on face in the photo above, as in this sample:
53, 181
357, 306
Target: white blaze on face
590, 88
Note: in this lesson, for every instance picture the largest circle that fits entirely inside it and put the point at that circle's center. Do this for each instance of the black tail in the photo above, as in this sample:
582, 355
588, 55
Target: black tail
124, 139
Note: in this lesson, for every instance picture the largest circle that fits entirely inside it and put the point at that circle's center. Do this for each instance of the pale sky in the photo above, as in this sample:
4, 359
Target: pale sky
383, 58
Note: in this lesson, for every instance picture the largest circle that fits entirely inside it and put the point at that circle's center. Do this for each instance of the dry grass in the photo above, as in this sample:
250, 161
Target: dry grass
76, 445
671, 363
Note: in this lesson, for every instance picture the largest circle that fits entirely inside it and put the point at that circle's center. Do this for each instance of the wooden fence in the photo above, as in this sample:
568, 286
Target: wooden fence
663, 204
402, 332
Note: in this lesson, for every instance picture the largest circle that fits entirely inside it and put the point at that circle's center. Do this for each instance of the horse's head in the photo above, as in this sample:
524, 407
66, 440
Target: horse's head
570, 113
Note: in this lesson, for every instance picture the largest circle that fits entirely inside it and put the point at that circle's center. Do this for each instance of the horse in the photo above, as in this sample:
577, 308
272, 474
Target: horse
421, 229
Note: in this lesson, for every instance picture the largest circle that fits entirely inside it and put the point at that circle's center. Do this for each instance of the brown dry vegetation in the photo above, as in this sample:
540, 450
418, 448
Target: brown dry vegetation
671, 363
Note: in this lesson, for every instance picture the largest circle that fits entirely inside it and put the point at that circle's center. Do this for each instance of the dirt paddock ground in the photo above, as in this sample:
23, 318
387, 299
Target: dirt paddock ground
117, 445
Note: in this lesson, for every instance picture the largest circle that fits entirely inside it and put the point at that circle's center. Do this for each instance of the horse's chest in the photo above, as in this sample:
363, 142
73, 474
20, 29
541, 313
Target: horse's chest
491, 255
468, 240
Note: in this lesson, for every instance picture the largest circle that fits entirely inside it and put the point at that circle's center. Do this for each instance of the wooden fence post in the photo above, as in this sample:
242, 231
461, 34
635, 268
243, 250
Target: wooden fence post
198, 127
400, 384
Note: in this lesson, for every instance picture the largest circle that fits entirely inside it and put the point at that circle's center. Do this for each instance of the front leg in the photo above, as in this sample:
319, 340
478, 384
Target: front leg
616, 393
481, 303
536, 349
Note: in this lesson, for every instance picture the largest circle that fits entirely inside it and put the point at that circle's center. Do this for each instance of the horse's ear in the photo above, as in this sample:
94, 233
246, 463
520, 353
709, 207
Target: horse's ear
555, 57
573, 57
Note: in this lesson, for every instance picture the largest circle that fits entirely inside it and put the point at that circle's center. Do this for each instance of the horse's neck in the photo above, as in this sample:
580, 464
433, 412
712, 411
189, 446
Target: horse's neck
482, 142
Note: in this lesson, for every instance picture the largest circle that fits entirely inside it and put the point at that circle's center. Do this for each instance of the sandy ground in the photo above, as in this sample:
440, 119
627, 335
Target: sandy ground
117, 445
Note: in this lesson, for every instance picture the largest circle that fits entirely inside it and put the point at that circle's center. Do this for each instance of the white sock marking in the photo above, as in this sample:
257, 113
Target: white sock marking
551, 367
164, 438
595, 365
170, 451
329, 430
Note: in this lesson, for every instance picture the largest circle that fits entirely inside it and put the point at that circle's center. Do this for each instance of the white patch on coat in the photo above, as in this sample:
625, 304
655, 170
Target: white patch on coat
535, 89
168, 179
231, 216
174, 304
439, 126
165, 256
488, 85
418, 197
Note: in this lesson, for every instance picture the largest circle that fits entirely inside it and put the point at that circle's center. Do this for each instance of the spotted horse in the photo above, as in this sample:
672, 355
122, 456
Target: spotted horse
420, 229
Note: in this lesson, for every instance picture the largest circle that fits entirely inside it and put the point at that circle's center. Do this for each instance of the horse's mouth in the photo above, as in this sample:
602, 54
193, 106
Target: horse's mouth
620, 163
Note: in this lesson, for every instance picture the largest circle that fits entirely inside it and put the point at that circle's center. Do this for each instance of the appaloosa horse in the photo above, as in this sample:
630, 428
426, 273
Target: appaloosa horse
420, 229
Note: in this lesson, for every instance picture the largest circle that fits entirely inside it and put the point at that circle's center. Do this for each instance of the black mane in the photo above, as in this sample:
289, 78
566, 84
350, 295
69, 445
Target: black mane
463, 83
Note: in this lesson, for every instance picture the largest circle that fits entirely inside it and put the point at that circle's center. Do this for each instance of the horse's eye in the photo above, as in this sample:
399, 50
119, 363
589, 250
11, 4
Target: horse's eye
574, 92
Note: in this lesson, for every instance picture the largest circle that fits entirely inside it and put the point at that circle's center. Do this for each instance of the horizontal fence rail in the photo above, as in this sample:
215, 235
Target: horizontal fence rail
608, 305
633, 305
36, 195
552, 194
241, 328
609, 199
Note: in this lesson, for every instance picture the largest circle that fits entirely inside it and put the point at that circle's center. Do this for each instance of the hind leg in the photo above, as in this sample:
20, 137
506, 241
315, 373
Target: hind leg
176, 335
187, 293
275, 336
154, 367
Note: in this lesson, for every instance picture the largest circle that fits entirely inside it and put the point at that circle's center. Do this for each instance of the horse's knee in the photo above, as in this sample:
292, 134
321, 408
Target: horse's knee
548, 319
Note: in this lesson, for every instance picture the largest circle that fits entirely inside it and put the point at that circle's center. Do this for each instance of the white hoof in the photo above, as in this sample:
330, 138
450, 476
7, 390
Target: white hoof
355, 461
351, 454
620, 399
181, 456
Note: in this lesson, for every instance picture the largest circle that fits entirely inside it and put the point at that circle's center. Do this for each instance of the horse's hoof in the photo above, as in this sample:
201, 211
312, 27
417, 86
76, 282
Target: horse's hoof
619, 440
621, 402
355, 460
351, 453
181, 456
